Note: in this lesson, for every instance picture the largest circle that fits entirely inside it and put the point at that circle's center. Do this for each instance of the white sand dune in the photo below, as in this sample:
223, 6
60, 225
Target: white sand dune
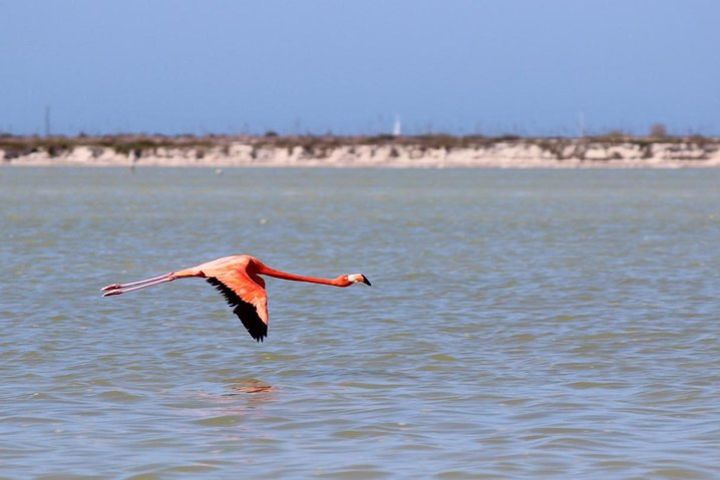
501, 154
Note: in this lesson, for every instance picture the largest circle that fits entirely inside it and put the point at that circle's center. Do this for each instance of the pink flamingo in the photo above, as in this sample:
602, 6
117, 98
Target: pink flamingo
238, 278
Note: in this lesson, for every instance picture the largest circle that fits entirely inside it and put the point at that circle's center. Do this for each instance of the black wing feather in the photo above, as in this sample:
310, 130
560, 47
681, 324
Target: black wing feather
246, 312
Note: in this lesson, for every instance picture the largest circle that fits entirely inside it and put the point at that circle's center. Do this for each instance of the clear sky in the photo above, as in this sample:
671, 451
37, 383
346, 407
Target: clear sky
534, 67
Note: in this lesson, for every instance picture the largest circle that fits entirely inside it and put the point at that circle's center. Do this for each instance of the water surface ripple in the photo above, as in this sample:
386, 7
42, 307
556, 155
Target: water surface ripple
546, 324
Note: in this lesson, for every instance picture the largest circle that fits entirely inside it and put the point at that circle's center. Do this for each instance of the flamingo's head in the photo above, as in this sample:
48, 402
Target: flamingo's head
358, 278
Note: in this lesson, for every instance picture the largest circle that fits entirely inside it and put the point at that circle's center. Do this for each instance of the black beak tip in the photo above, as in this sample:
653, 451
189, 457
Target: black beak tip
366, 281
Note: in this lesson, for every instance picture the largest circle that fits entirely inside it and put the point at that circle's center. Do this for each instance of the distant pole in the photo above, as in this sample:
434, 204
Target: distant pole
581, 124
47, 121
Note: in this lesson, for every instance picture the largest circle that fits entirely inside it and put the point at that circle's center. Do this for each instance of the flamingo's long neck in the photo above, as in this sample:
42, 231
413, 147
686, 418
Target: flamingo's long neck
264, 270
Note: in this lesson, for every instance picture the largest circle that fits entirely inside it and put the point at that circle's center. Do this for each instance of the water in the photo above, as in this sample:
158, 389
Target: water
521, 324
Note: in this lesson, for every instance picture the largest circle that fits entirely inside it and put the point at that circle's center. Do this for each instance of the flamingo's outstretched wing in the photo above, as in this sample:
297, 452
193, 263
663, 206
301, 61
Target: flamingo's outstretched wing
248, 299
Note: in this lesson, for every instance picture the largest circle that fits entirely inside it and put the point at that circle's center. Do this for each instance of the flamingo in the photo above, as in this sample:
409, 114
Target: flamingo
237, 277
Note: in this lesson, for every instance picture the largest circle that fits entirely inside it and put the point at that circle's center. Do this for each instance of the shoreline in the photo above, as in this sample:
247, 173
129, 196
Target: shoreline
383, 151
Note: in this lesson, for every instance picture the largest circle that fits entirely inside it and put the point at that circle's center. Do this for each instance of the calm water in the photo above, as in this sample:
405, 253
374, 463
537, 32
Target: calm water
520, 324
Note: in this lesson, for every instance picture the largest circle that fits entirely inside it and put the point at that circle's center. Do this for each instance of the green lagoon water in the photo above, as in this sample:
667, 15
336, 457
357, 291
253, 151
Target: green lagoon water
521, 324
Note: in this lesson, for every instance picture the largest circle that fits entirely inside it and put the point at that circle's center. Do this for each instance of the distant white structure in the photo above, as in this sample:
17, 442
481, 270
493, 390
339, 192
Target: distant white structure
397, 127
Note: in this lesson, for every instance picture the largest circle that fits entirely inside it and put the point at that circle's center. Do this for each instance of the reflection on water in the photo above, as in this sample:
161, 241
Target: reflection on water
520, 324
250, 386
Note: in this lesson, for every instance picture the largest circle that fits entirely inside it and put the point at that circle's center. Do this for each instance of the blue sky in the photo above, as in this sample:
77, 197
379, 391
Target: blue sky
533, 67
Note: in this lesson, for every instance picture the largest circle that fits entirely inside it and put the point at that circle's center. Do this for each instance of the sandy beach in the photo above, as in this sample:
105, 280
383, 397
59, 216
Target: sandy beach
429, 151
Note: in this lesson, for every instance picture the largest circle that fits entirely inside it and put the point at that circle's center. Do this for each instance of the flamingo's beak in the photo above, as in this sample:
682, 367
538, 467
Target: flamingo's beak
366, 281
